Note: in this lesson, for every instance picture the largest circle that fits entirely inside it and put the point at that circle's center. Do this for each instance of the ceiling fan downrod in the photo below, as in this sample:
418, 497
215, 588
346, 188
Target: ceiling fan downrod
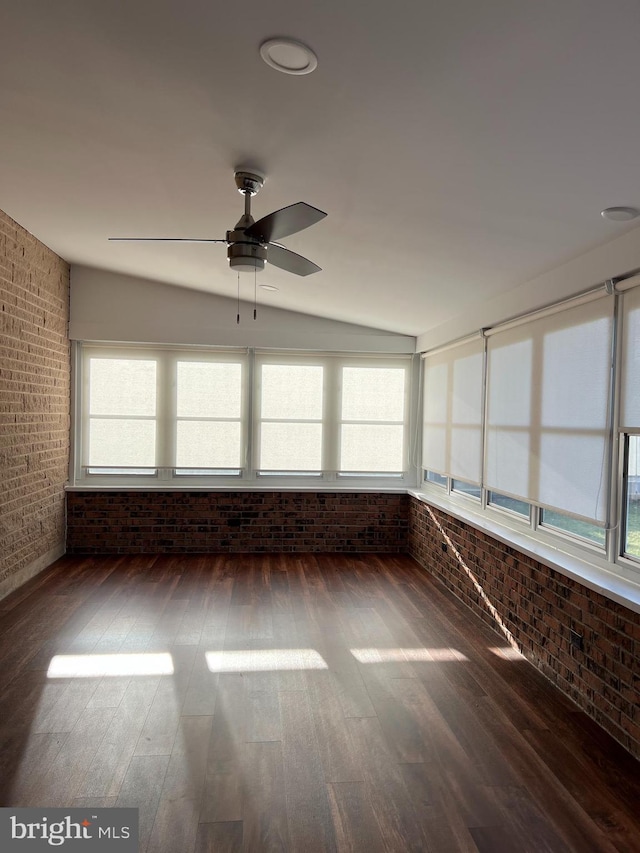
245, 253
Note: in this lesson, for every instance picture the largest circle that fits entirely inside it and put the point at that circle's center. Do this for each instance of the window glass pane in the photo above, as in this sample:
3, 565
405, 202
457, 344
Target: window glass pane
573, 526
512, 504
466, 488
210, 390
371, 447
291, 391
291, 446
630, 390
117, 442
632, 526
373, 393
432, 477
208, 444
122, 386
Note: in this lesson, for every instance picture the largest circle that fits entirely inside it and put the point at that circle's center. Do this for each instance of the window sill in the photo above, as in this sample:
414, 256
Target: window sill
619, 583
245, 487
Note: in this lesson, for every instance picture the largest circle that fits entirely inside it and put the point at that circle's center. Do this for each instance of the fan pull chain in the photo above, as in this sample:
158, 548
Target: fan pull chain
238, 314
255, 293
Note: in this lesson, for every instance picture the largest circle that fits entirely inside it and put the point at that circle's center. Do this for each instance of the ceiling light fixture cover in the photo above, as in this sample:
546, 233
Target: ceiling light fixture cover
289, 56
620, 214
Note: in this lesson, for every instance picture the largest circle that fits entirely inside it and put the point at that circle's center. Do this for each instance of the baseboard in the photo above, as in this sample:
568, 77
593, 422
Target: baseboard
17, 579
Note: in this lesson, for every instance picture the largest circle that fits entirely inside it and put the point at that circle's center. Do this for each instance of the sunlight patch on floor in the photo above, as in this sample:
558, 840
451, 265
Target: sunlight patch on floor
416, 654
507, 652
97, 666
264, 660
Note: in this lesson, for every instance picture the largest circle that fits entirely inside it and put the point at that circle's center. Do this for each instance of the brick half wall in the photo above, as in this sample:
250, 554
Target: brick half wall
218, 522
540, 608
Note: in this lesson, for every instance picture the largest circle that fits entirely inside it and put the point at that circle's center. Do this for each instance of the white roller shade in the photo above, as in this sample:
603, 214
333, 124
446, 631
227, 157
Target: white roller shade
373, 402
452, 429
630, 402
291, 410
548, 387
209, 410
121, 412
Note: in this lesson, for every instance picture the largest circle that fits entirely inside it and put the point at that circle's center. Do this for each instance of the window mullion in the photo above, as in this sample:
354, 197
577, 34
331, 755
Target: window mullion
331, 417
617, 448
166, 420
247, 414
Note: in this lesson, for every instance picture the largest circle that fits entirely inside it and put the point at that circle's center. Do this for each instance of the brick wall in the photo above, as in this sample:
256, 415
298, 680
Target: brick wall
34, 403
214, 522
539, 608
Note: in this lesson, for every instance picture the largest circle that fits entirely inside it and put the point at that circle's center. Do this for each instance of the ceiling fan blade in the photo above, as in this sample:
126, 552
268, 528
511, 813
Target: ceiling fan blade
283, 222
162, 240
287, 260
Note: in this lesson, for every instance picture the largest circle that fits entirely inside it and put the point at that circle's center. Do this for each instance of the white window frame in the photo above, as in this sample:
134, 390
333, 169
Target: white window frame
166, 359
340, 421
250, 477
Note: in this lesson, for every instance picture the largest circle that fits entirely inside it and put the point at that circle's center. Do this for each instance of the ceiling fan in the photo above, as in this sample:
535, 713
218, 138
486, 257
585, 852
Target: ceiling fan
251, 244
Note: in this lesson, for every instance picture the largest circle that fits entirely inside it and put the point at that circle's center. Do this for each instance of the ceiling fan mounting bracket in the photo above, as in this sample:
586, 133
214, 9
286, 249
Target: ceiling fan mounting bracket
249, 183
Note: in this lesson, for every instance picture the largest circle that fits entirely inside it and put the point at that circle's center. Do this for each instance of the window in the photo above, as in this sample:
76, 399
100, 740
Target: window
452, 426
630, 422
372, 419
468, 489
438, 479
573, 526
161, 413
510, 504
291, 418
548, 405
187, 416
330, 415
543, 408
208, 417
122, 415
631, 535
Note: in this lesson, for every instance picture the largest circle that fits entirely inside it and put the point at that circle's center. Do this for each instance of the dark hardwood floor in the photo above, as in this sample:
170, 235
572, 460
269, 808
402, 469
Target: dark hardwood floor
295, 702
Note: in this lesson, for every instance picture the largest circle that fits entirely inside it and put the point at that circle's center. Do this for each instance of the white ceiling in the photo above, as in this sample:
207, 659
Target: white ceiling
460, 148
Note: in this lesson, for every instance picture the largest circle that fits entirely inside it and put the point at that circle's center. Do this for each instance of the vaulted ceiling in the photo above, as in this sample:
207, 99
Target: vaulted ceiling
460, 148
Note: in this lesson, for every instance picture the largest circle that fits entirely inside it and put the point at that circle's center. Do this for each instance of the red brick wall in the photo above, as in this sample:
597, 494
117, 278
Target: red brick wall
214, 522
34, 403
540, 608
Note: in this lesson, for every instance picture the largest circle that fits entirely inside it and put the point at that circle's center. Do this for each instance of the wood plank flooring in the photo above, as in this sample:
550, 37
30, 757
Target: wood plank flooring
299, 703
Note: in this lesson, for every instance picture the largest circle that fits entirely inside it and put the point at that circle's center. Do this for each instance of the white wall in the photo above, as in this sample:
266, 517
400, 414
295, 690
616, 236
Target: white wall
107, 306
613, 259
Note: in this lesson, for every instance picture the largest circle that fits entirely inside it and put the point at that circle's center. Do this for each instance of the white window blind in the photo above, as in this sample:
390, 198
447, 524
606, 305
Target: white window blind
184, 415
122, 420
209, 415
630, 400
452, 427
291, 412
372, 419
548, 387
